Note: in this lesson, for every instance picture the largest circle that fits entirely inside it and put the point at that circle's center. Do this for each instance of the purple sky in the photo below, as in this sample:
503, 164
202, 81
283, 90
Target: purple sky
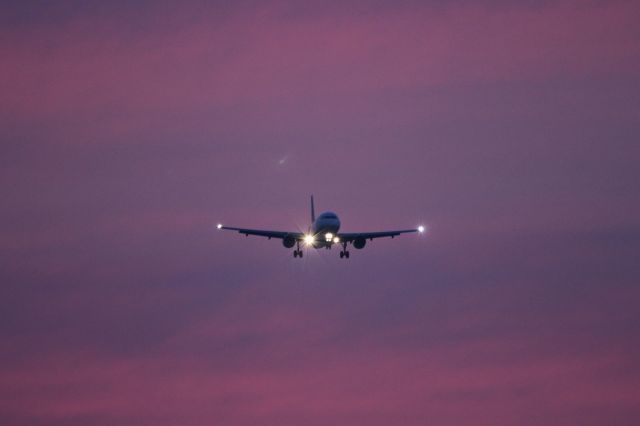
129, 131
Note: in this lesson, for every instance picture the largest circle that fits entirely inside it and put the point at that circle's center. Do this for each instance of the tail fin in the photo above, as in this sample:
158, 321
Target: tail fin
313, 211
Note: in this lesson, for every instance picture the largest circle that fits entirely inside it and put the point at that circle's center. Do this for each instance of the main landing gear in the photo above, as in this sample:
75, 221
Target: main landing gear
344, 252
297, 252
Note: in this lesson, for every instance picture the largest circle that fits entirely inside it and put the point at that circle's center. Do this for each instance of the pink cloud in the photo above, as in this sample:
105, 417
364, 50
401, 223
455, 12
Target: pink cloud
124, 306
260, 57
336, 383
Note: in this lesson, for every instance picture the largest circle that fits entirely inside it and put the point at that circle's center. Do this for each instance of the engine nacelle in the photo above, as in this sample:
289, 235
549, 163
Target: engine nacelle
359, 243
288, 241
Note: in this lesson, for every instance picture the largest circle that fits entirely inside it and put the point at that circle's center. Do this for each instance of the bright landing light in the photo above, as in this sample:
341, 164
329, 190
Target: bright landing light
328, 236
308, 239
219, 226
421, 229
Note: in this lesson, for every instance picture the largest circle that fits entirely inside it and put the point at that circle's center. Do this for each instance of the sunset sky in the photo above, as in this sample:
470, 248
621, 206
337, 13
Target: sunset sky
129, 129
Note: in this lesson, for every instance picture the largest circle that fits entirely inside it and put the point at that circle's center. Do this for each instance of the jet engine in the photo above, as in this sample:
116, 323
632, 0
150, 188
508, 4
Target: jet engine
359, 243
288, 241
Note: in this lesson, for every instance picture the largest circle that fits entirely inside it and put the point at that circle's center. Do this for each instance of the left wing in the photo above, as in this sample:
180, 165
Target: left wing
264, 233
349, 237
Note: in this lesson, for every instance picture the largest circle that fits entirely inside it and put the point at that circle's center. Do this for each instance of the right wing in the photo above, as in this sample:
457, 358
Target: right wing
264, 233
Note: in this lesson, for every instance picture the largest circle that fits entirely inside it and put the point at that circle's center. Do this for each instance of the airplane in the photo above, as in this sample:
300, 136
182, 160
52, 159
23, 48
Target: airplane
323, 233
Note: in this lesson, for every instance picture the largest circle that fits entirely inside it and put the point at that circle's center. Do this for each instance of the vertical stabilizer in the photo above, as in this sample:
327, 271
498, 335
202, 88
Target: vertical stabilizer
313, 212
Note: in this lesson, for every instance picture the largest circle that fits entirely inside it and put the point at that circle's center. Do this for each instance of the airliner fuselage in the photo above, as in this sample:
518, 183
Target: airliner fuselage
325, 229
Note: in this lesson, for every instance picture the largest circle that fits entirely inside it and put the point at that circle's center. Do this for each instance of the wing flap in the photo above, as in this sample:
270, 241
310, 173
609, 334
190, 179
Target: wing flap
371, 235
264, 233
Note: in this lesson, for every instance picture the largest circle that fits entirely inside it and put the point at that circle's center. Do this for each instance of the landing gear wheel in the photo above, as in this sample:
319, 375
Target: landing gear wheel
341, 254
295, 253
300, 253
346, 254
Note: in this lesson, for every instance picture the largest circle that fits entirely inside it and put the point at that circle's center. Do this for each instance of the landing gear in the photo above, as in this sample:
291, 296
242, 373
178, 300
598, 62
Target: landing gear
298, 253
344, 252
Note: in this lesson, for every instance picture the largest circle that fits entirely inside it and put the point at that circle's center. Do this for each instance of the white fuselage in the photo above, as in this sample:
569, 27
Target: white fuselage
325, 229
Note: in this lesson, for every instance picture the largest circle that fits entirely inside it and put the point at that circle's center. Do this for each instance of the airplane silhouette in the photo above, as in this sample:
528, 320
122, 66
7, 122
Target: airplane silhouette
323, 233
